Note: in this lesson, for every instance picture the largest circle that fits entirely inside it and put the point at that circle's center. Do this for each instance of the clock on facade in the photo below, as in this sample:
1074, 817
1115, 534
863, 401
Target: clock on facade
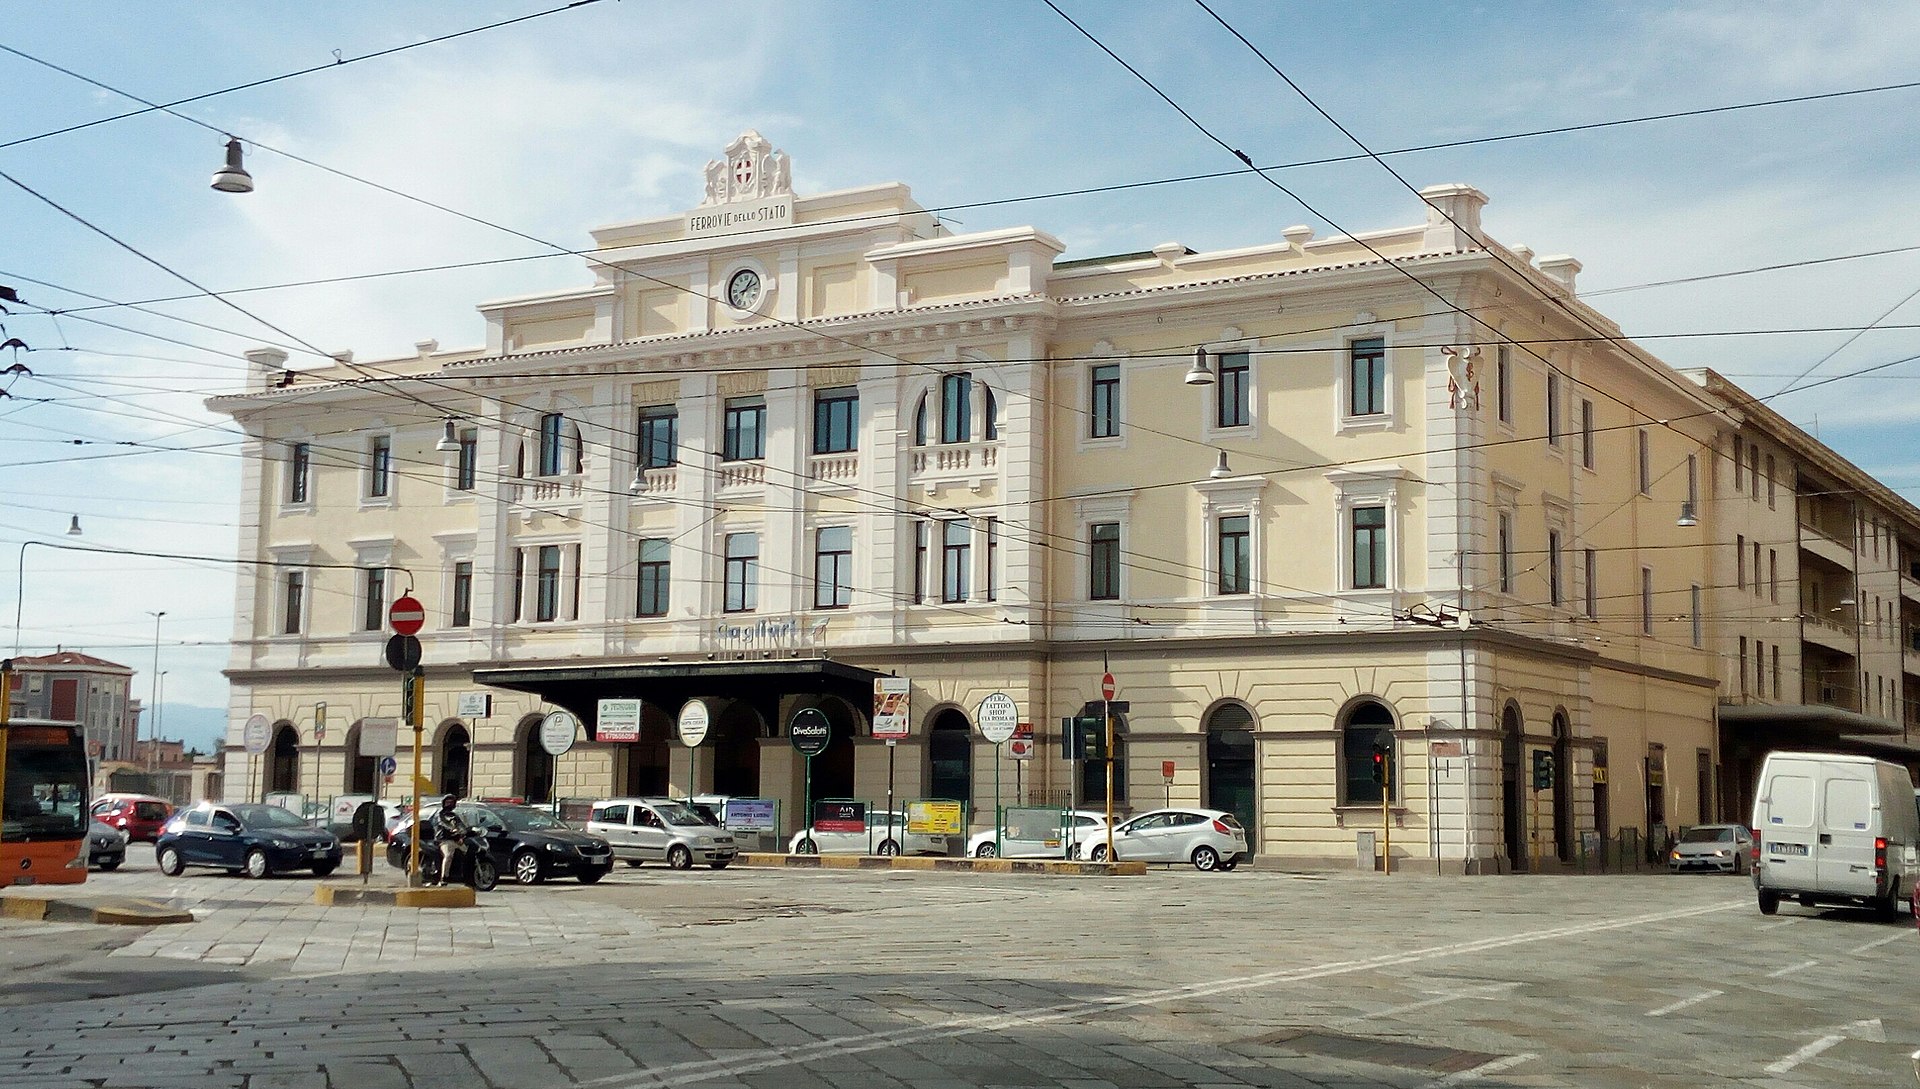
743, 289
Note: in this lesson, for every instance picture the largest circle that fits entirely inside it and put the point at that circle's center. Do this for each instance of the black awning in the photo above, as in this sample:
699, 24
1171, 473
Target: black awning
667, 685
1811, 719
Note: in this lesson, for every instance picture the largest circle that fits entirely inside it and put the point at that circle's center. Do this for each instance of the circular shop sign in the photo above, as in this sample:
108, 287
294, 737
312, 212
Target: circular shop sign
557, 730
255, 734
998, 717
694, 719
809, 731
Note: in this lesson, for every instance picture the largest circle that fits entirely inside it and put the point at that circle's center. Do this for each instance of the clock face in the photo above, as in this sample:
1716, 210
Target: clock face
743, 289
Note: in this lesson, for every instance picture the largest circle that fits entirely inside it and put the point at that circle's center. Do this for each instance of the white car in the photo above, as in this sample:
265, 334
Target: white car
1211, 839
1036, 842
885, 834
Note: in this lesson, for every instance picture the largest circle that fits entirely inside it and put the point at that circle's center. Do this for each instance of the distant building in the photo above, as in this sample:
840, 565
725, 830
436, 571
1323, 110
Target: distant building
69, 686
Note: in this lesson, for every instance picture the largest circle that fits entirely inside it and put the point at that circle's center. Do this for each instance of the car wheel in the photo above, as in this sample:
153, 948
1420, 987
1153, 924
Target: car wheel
1099, 852
985, 850
110, 865
257, 865
170, 862
1769, 901
889, 848
526, 868
717, 865
324, 868
679, 858
588, 877
633, 863
806, 847
1206, 859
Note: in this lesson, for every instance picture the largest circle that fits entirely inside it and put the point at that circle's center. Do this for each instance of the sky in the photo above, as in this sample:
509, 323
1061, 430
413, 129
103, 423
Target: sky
995, 112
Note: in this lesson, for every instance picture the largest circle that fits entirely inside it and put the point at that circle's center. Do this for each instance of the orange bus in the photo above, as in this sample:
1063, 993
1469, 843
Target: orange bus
43, 810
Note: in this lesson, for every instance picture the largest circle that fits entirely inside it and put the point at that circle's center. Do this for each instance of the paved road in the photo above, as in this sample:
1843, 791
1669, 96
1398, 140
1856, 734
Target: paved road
868, 980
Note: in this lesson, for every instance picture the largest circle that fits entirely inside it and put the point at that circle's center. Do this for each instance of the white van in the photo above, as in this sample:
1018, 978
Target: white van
1834, 829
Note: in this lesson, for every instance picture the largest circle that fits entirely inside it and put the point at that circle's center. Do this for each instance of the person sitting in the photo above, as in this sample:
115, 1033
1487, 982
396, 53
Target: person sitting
449, 830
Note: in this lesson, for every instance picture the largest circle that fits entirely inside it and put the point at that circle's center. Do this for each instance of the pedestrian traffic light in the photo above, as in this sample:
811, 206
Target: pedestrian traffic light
1381, 771
1542, 769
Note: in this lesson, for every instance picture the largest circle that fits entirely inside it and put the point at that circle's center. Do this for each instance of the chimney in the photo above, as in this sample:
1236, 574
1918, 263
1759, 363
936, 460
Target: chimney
426, 347
1562, 268
1297, 237
1453, 217
269, 367
345, 356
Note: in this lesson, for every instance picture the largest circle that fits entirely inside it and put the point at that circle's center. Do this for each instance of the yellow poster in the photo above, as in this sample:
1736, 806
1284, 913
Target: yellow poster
935, 819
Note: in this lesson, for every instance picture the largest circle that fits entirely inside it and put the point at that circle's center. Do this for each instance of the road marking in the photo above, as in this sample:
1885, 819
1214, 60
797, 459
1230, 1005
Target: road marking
734, 1065
1486, 990
1684, 1003
1482, 1071
1803, 1054
1790, 969
1875, 944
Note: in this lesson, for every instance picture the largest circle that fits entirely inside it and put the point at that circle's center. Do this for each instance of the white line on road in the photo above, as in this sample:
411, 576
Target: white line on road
1684, 1003
1790, 969
1488, 990
1803, 1054
1875, 944
1482, 1071
734, 1065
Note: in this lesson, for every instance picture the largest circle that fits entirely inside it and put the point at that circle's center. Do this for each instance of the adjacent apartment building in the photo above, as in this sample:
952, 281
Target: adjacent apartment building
1302, 499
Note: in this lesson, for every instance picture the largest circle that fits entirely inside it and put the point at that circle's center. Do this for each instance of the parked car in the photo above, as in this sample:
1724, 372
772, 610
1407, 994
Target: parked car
885, 834
140, 816
1211, 839
1017, 841
1717, 848
1832, 828
658, 830
258, 840
106, 846
531, 844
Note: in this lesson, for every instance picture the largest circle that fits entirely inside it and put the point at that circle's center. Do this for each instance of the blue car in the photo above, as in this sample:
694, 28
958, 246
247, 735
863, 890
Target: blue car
257, 840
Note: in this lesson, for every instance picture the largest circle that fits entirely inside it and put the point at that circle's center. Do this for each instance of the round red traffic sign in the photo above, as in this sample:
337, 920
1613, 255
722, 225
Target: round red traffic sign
406, 615
1106, 686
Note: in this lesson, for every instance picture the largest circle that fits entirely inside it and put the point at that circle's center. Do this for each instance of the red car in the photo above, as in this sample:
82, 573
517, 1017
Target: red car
138, 815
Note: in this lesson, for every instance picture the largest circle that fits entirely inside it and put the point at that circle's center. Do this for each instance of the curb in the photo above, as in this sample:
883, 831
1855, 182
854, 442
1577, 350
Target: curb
119, 912
439, 896
769, 860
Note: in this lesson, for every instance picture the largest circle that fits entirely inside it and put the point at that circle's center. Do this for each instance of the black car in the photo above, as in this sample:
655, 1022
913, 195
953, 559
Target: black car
531, 844
106, 846
258, 840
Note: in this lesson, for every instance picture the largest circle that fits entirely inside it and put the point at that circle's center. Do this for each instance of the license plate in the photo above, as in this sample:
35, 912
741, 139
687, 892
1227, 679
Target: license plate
1787, 849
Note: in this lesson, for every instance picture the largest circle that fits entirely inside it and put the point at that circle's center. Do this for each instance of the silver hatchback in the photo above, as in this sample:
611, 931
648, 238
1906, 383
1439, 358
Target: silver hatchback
1209, 838
660, 830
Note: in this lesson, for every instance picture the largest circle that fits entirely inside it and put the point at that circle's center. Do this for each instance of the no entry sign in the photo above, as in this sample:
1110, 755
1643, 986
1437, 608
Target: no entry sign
406, 615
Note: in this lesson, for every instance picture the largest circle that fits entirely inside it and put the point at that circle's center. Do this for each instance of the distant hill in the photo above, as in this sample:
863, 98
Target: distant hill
202, 728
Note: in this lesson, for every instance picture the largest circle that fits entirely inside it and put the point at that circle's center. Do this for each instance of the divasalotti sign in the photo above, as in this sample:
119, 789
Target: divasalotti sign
810, 732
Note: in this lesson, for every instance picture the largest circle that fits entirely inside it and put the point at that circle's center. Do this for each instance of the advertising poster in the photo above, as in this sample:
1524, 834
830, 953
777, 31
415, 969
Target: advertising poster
618, 720
840, 817
935, 819
890, 707
749, 815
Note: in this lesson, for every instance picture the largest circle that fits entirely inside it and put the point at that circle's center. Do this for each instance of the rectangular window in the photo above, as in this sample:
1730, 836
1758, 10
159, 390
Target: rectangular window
1503, 383
1753, 470
743, 572
1699, 633
1776, 670
1555, 586
1103, 562
1553, 409
1646, 600
659, 437
1772, 494
1756, 569
746, 430
467, 461
1586, 434
833, 567
1593, 584
380, 467
1233, 399
296, 584
462, 595
552, 444
956, 559
1740, 560
299, 468
921, 532
993, 559
836, 421
1367, 374
373, 613
1646, 463
956, 408
1369, 548
1504, 547
1773, 574
546, 597
1760, 669
1738, 448
573, 582
1103, 406
1236, 540
1743, 667
656, 577
519, 583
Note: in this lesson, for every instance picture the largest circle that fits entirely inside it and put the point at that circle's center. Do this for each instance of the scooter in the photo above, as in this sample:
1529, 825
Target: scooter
472, 864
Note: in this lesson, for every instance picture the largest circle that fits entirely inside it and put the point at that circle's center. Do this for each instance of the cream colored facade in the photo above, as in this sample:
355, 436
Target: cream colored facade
1454, 551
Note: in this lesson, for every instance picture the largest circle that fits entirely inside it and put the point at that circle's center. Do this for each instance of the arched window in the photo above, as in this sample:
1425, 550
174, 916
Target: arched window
533, 775
1369, 725
920, 422
990, 414
360, 769
455, 760
283, 767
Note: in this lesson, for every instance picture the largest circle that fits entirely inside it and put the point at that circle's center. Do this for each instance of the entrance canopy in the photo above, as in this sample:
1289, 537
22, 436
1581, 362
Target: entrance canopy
669, 684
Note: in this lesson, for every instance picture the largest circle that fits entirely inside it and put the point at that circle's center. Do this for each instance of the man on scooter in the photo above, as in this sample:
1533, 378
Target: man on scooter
449, 831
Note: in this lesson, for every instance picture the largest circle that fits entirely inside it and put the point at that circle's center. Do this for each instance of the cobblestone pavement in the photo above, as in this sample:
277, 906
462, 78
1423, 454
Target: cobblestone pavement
869, 980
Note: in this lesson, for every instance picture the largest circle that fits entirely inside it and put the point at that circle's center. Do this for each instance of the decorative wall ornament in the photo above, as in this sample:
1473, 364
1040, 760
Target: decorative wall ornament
752, 169
1463, 384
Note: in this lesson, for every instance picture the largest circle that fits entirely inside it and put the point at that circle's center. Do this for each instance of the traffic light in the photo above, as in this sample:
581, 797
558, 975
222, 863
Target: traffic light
1093, 738
1542, 769
1381, 770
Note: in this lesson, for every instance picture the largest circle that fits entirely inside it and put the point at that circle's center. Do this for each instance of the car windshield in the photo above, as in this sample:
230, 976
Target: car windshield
267, 816
528, 820
1709, 834
675, 813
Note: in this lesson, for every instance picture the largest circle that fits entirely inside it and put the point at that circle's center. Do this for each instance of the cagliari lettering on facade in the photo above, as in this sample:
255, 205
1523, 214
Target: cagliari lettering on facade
789, 631
771, 213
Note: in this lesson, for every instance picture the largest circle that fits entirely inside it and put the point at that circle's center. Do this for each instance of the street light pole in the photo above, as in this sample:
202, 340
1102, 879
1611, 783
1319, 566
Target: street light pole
20, 579
153, 715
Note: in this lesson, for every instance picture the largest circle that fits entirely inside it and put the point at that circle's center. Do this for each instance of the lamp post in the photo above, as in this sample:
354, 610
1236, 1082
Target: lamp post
20, 579
153, 717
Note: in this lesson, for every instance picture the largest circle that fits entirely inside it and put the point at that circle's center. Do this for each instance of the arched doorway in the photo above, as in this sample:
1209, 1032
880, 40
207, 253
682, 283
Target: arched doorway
453, 758
1513, 820
733, 744
1562, 787
643, 768
833, 768
533, 765
1230, 766
358, 774
950, 757
283, 759
1368, 724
